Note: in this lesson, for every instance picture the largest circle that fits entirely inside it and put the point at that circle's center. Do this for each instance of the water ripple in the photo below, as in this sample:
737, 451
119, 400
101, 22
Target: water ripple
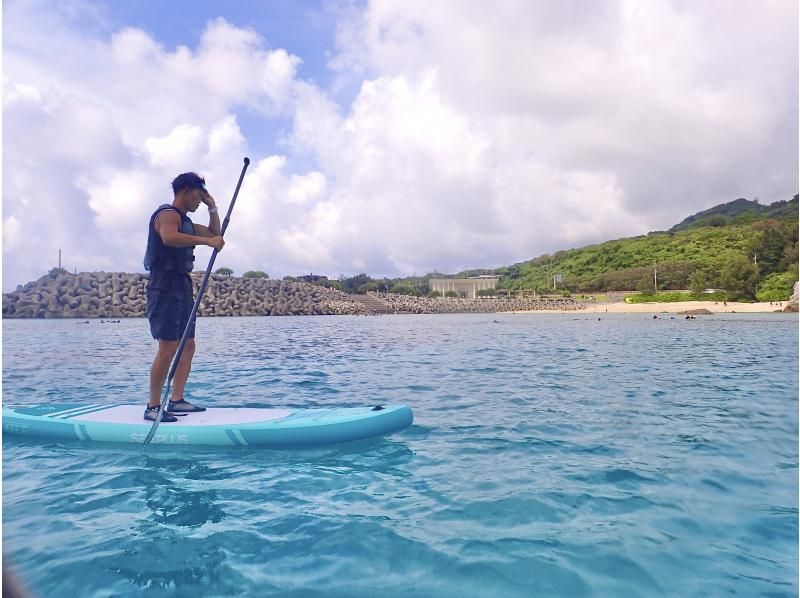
550, 456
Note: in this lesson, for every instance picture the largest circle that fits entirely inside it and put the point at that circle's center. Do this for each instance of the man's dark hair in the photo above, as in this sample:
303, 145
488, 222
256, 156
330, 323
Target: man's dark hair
191, 180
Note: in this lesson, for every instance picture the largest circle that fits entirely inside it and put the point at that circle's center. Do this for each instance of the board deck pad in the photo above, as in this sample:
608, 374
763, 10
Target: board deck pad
219, 416
228, 426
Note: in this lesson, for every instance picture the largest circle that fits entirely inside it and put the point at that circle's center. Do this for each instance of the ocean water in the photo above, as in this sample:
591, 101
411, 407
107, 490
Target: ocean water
551, 455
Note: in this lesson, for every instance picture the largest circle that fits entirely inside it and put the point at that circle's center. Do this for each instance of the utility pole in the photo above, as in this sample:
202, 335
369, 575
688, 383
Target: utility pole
755, 259
59, 260
547, 279
655, 276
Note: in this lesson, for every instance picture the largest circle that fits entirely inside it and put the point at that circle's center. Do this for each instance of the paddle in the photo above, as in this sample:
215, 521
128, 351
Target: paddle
185, 337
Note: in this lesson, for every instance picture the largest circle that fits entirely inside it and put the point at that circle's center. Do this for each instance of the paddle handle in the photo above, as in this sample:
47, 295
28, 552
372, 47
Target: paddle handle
195, 307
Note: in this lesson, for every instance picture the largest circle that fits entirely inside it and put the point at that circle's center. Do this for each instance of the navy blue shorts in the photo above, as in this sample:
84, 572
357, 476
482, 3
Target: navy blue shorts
169, 305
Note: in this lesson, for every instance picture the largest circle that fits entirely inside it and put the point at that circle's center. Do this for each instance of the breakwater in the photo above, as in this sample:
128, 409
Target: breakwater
119, 294
123, 295
451, 305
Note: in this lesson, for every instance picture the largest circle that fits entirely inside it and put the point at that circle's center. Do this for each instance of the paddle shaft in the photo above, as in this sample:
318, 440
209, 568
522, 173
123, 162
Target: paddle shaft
195, 307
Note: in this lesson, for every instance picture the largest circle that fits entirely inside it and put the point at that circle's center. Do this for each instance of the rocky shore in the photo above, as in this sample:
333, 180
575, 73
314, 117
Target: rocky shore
122, 295
450, 305
792, 306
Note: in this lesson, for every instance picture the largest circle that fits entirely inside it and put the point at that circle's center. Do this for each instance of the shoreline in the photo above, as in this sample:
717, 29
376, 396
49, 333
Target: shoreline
105, 295
715, 307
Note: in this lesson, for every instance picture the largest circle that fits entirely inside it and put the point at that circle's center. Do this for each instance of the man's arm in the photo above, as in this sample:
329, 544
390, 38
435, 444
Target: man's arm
168, 225
213, 228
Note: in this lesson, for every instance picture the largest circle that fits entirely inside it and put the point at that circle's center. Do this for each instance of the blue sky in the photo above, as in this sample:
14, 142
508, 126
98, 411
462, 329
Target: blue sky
386, 137
306, 29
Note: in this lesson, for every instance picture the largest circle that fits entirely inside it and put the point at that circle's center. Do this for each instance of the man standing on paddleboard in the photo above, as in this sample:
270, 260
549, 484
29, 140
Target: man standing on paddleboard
171, 240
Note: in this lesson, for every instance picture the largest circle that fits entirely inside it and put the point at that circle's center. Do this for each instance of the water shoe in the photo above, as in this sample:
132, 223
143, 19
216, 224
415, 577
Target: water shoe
151, 413
183, 407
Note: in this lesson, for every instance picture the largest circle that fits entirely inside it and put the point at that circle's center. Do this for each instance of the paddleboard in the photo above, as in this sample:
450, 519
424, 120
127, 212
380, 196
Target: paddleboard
224, 426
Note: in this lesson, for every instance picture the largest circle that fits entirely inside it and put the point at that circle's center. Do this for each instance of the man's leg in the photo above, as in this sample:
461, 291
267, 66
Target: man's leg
182, 372
160, 369
184, 366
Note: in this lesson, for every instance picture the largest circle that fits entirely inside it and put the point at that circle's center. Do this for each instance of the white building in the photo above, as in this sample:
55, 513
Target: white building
464, 287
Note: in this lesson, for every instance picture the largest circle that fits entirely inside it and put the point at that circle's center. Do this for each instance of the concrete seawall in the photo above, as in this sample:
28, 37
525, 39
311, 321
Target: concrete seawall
451, 305
122, 295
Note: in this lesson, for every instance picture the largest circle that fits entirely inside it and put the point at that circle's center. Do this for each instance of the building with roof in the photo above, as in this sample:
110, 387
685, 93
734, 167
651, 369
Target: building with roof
464, 287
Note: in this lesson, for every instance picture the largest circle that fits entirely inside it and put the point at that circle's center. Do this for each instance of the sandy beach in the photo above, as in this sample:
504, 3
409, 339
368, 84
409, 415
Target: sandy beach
679, 306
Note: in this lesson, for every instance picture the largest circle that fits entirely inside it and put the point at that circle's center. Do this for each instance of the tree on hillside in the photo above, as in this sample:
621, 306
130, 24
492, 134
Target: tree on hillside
351, 284
698, 282
717, 220
646, 284
739, 278
224, 272
777, 286
255, 274
366, 287
790, 255
768, 245
404, 289
329, 284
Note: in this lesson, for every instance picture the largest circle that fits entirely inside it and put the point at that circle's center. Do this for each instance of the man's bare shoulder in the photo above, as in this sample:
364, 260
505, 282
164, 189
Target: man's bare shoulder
169, 217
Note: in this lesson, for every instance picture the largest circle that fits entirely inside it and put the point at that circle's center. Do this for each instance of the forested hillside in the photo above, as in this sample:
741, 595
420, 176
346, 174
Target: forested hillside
742, 247
740, 211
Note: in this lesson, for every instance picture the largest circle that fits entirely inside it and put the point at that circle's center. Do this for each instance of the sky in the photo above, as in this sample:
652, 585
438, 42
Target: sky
386, 137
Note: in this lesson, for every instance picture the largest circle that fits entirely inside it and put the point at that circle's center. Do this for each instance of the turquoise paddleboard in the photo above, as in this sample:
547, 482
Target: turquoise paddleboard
225, 426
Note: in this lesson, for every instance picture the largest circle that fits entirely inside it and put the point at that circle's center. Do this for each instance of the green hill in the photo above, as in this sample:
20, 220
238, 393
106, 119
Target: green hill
740, 211
740, 246
745, 249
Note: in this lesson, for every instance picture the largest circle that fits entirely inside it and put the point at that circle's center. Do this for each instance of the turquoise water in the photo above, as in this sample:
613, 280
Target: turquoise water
551, 455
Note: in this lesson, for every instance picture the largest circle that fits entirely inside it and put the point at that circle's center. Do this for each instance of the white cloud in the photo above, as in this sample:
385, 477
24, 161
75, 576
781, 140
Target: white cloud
477, 135
10, 232
655, 97
20, 93
177, 148
307, 188
96, 130
226, 137
659, 95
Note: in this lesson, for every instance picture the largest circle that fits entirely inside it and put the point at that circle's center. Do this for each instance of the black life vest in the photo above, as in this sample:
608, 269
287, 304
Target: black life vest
160, 257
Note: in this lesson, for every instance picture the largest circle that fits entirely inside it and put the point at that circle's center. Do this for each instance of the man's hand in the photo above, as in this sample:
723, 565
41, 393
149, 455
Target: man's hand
216, 242
208, 199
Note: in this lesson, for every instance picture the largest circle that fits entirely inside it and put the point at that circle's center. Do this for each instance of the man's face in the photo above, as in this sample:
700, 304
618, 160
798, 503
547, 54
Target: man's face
196, 198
